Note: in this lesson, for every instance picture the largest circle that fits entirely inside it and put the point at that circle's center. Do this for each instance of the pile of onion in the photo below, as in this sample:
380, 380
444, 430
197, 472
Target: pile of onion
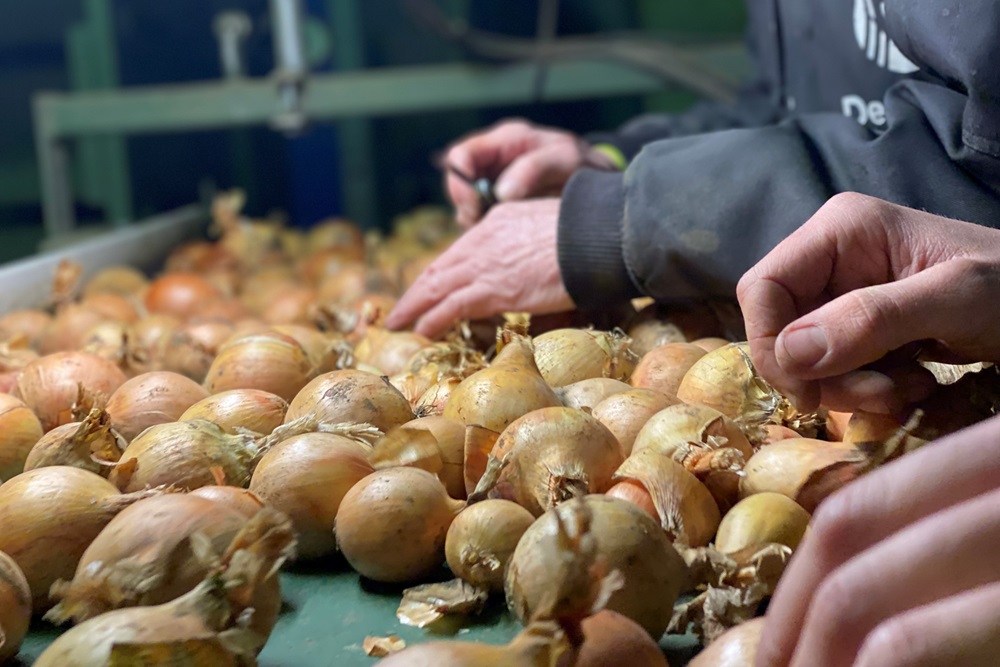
180, 294
51, 385
664, 367
627, 412
250, 409
90, 445
351, 396
270, 362
150, 399
565, 356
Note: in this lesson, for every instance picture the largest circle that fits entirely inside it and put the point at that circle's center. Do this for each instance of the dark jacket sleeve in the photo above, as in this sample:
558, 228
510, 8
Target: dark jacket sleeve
691, 215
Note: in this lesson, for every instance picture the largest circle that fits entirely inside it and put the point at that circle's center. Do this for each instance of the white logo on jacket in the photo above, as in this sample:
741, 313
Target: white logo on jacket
869, 31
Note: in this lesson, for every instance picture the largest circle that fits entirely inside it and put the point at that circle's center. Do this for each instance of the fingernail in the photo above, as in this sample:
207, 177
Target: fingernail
507, 191
805, 346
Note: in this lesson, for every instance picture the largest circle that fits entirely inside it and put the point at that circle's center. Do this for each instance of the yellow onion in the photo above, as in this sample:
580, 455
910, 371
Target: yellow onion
251, 409
271, 362
565, 356
657, 325
180, 294
19, 431
15, 607
315, 267
244, 501
150, 399
548, 456
434, 444
114, 307
432, 402
336, 233
29, 324
627, 540
736, 647
627, 412
411, 386
511, 387
585, 394
710, 344
391, 526
684, 506
323, 348
51, 385
210, 620
123, 280
760, 519
193, 347
68, 329
109, 340
663, 368
290, 306
351, 396
726, 380
805, 470
149, 337
389, 351
90, 445
538, 645
482, 539
50, 516
697, 425
445, 359
307, 477
612, 639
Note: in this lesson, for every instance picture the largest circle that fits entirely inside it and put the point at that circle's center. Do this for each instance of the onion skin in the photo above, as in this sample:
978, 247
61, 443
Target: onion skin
635, 493
15, 607
271, 362
663, 368
253, 409
50, 516
613, 639
180, 294
697, 425
710, 344
113, 307
627, 538
482, 539
836, 424
762, 518
122, 280
736, 647
391, 526
726, 380
90, 445
538, 645
585, 394
565, 356
192, 348
626, 413
450, 436
150, 399
352, 396
306, 477
68, 329
795, 467
389, 351
657, 325
50, 385
244, 501
28, 323
19, 431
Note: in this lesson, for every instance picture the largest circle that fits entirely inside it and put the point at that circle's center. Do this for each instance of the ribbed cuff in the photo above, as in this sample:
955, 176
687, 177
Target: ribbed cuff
590, 240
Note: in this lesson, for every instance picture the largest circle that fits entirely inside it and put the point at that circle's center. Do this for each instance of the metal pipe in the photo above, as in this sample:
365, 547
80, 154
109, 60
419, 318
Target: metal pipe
291, 67
231, 30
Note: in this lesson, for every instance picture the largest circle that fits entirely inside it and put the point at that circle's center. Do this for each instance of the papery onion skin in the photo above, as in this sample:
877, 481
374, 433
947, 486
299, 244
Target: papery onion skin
565, 356
68, 329
663, 368
123, 280
762, 518
28, 323
253, 409
15, 607
790, 467
391, 526
737, 647
482, 539
269, 362
180, 294
451, 442
352, 396
627, 538
19, 431
244, 501
626, 413
150, 399
634, 493
50, 385
306, 477
613, 639
192, 348
389, 351
586, 394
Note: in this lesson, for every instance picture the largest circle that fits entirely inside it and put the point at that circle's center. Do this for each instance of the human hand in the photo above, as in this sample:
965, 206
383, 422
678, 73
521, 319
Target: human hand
863, 278
509, 262
899, 567
525, 160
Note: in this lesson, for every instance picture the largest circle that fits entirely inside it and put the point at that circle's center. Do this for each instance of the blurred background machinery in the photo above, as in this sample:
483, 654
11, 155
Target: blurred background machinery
116, 110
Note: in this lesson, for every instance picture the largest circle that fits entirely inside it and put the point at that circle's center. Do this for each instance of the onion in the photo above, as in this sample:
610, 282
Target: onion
260, 289
760, 519
657, 325
391, 526
482, 539
776, 432
180, 294
336, 233
836, 424
541, 643
695, 425
19, 431
89, 445
194, 346
122, 280
15, 607
49, 516
316, 266
251, 409
627, 412
109, 340
565, 356
69, 328
389, 351
636, 494
226, 310
710, 344
243, 501
30, 324
509, 388
290, 306
684, 506
307, 477
663, 368
351, 396
432, 402
450, 438
613, 639
149, 338
585, 394
211, 617
348, 284
144, 556
51, 385
151, 398
270, 362
805, 470
736, 647
626, 538
115, 307
323, 349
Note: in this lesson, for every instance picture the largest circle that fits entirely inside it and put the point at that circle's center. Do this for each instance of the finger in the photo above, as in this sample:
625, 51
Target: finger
961, 630
943, 302
467, 303
468, 209
937, 557
873, 391
964, 465
538, 171
446, 274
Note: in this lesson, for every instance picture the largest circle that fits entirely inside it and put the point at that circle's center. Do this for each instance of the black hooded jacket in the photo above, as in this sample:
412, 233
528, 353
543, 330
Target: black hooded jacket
897, 99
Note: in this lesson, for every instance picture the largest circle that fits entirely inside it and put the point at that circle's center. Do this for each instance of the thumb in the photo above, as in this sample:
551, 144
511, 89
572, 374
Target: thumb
538, 171
944, 302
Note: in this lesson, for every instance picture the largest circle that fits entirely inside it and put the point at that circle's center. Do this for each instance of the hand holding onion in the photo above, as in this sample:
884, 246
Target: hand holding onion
912, 540
862, 278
